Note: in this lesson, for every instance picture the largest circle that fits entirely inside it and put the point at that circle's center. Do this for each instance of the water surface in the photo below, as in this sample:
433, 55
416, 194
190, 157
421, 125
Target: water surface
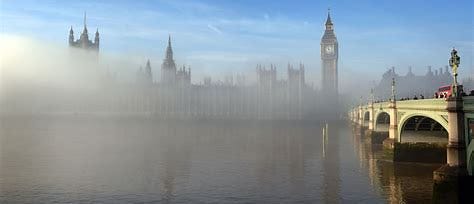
141, 160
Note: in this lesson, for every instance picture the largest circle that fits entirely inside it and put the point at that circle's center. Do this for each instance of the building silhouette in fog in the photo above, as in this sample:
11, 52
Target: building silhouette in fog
145, 76
170, 75
409, 85
174, 96
83, 41
275, 96
168, 68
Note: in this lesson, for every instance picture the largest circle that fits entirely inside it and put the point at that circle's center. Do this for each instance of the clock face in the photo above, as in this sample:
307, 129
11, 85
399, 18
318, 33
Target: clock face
329, 49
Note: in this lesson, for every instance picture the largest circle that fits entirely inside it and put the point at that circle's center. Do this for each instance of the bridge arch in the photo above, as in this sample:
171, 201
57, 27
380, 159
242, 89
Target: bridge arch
420, 122
382, 121
470, 158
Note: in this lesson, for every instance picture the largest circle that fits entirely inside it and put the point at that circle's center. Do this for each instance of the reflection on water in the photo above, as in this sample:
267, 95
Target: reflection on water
119, 160
398, 182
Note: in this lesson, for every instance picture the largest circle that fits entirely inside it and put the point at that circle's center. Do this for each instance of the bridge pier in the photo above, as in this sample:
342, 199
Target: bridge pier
357, 116
354, 116
361, 116
393, 128
372, 135
456, 149
371, 116
453, 178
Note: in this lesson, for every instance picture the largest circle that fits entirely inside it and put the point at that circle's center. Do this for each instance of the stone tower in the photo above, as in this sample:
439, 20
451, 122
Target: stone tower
168, 68
83, 41
329, 58
148, 73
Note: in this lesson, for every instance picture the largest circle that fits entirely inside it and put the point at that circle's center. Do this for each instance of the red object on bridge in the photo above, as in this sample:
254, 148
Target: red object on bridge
444, 91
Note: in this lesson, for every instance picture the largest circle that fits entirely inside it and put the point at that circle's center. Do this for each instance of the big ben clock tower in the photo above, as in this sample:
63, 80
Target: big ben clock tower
329, 57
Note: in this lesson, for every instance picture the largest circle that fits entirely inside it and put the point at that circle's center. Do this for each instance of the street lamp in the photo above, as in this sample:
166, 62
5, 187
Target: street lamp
454, 64
372, 97
393, 90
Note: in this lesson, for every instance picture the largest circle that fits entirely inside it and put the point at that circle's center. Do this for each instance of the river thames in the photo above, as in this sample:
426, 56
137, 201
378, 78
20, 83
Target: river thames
143, 160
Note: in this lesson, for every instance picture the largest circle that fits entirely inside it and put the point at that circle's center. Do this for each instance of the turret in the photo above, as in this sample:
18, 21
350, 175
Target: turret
96, 39
148, 74
302, 80
83, 41
148, 67
71, 37
168, 68
430, 72
169, 50
410, 72
84, 36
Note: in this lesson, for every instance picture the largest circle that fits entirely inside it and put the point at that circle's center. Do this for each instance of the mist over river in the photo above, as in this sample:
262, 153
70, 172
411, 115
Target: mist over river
78, 159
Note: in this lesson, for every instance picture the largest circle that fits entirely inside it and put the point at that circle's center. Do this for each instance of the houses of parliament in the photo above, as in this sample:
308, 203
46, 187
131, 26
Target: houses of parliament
410, 85
174, 96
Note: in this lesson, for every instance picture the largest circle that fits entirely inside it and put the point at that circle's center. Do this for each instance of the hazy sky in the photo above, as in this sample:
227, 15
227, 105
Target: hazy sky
224, 37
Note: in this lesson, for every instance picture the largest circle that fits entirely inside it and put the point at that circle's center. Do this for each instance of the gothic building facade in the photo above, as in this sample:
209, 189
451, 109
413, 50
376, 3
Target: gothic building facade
83, 41
168, 68
281, 97
183, 76
411, 85
170, 75
174, 96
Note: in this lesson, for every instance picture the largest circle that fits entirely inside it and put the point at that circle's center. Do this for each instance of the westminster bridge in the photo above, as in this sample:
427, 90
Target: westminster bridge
447, 123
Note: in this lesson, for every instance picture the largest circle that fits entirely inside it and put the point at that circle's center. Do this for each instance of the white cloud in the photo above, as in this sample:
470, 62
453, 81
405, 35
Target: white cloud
214, 28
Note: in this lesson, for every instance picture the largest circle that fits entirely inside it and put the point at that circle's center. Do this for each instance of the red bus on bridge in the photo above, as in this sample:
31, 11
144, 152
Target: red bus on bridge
445, 91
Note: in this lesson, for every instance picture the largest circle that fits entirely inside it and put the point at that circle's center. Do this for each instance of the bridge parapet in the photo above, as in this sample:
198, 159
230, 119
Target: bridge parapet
381, 105
423, 104
468, 105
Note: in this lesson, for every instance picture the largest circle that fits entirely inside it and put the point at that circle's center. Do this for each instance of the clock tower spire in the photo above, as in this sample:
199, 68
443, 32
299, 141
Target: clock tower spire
329, 59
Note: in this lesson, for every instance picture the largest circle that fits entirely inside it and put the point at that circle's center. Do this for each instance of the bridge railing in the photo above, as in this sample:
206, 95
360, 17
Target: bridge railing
468, 104
381, 105
423, 104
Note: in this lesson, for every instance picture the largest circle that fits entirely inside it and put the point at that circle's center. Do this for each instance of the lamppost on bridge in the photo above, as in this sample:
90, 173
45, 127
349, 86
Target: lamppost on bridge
361, 117
393, 90
454, 64
372, 97
393, 128
371, 109
456, 158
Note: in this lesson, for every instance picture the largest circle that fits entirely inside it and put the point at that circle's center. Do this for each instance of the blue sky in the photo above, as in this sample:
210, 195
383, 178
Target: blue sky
228, 37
